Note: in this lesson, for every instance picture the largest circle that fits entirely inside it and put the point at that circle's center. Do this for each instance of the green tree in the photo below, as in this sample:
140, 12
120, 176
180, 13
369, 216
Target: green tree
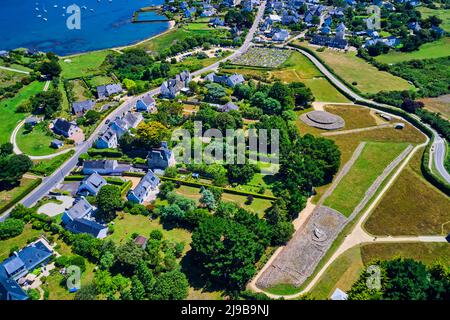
152, 133
172, 285
108, 201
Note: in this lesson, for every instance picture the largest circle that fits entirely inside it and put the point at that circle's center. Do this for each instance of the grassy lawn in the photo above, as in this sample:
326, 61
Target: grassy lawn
20, 241
354, 69
342, 273
439, 104
100, 80
355, 117
443, 14
283, 289
436, 49
83, 65
8, 116
126, 224
400, 214
345, 270
165, 40
258, 205
198, 27
369, 165
80, 92
299, 68
8, 78
35, 142
48, 166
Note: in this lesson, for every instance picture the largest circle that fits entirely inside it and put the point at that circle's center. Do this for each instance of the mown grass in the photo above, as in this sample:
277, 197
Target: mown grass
17, 242
431, 50
83, 65
8, 78
298, 68
440, 104
443, 14
370, 164
355, 117
9, 118
165, 40
35, 142
412, 206
367, 77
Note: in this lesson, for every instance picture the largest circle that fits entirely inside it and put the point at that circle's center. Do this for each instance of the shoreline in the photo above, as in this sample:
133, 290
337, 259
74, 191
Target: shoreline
172, 24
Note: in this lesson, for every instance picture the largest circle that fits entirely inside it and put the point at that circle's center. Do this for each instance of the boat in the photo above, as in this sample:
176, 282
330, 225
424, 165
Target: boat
45, 19
92, 10
39, 15
55, 6
84, 7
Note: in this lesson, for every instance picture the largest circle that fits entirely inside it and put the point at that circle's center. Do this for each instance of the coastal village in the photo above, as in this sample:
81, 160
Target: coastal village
92, 176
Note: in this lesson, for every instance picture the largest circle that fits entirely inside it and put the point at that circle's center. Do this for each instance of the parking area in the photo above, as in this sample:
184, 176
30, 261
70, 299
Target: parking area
56, 206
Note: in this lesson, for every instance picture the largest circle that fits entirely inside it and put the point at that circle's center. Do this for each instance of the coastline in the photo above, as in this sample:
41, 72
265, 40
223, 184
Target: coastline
172, 25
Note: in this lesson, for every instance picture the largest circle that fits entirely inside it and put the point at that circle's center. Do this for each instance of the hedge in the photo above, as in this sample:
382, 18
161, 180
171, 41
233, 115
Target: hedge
104, 152
21, 195
199, 185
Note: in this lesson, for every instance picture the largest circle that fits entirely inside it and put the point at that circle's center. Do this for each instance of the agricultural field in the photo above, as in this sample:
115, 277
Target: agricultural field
397, 215
345, 270
35, 142
361, 74
263, 57
374, 158
439, 104
8, 116
431, 50
299, 68
83, 65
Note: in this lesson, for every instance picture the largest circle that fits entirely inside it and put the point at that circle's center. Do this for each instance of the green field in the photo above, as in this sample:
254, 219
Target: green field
84, 64
299, 68
48, 166
436, 49
17, 242
35, 142
100, 80
367, 77
8, 78
443, 14
8, 116
165, 40
368, 166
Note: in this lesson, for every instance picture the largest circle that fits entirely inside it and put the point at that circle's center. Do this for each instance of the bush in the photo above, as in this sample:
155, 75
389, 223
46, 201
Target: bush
11, 228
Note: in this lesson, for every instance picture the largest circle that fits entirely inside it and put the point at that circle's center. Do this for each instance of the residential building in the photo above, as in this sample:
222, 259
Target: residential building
68, 129
80, 209
281, 36
106, 91
128, 121
104, 167
146, 190
229, 80
329, 42
146, 104
172, 87
229, 106
340, 31
108, 140
91, 227
81, 107
141, 241
160, 158
91, 185
217, 22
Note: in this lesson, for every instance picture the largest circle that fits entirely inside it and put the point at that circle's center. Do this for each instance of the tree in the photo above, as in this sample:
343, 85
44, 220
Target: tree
150, 134
411, 106
128, 256
12, 167
207, 199
172, 285
6, 149
47, 102
137, 289
108, 202
282, 233
87, 292
50, 68
215, 93
241, 173
10, 228
146, 277
283, 94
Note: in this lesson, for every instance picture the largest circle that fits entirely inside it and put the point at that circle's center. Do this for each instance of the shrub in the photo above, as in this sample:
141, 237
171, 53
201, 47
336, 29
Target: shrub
11, 228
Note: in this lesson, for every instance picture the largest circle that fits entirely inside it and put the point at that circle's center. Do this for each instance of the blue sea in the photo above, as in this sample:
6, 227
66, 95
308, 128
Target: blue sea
41, 25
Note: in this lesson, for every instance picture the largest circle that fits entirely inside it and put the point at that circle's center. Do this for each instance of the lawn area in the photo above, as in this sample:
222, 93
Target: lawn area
8, 78
126, 224
354, 69
48, 166
342, 273
83, 65
443, 14
35, 142
299, 68
80, 92
8, 116
20, 241
345, 270
165, 40
354, 116
370, 164
439, 104
198, 27
100, 80
397, 214
258, 205
431, 50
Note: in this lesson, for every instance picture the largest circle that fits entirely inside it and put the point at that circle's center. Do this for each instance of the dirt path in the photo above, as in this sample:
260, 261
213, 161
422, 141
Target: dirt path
336, 133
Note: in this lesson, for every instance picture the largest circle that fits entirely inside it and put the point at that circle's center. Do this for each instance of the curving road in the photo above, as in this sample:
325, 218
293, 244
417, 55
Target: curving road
50, 182
439, 145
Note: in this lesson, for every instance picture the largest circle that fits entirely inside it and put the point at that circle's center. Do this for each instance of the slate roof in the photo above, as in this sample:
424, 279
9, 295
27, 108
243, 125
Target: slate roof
9, 289
85, 226
228, 107
34, 254
95, 181
80, 209
150, 180
82, 106
62, 125
100, 164
108, 90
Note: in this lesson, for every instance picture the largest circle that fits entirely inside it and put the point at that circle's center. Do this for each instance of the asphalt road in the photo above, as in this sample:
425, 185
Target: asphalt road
57, 177
439, 155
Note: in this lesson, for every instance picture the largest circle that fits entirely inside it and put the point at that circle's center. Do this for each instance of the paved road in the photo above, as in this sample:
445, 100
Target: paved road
14, 70
50, 182
439, 157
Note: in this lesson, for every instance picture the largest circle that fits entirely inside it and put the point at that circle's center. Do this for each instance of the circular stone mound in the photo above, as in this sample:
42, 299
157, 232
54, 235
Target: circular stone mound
323, 120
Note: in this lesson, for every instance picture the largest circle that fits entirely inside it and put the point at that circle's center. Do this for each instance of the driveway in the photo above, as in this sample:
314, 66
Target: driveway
52, 209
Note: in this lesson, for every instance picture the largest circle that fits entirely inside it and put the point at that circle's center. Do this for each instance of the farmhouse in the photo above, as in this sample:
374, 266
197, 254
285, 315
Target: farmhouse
146, 190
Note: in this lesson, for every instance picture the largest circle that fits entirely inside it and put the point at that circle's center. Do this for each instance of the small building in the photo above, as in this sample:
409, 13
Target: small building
81, 107
146, 104
141, 241
146, 190
338, 294
229, 106
91, 185
160, 158
57, 144
385, 116
104, 167
106, 91
30, 122
217, 22
108, 140
4, 54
